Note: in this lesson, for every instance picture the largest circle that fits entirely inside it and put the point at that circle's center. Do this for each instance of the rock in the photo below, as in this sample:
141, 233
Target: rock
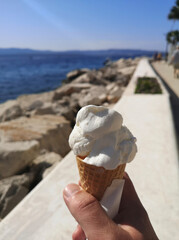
50, 131
68, 89
85, 78
75, 97
103, 97
65, 90
36, 104
34, 100
48, 158
116, 91
67, 107
15, 156
94, 77
10, 110
49, 170
76, 73
43, 162
65, 111
121, 63
106, 104
136, 60
112, 99
13, 190
46, 108
65, 101
128, 70
122, 81
95, 96
109, 73
110, 86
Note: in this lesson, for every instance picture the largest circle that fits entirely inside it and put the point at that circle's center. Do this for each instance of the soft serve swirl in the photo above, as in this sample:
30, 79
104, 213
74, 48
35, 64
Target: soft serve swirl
100, 136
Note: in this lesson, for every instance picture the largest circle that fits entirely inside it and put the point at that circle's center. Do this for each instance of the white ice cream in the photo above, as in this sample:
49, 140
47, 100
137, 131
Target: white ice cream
99, 135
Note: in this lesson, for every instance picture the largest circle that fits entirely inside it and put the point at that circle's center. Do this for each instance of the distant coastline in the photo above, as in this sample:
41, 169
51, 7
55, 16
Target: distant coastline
109, 52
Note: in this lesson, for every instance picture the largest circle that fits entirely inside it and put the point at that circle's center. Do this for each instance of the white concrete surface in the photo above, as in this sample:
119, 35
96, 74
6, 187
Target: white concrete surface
43, 215
167, 73
155, 168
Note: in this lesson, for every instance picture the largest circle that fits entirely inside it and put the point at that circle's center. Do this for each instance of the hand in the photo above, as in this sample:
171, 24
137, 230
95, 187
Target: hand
94, 224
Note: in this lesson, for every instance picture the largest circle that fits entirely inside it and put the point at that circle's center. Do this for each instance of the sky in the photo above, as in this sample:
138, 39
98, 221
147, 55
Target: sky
85, 24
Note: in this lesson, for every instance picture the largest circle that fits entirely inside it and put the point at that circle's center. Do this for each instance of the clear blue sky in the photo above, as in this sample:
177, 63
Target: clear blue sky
85, 24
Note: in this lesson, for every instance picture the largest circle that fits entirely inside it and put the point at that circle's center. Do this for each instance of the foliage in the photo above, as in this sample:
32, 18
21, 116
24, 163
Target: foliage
173, 37
174, 12
148, 85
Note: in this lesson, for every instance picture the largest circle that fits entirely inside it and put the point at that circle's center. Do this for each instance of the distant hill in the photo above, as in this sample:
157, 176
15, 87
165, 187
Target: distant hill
21, 51
109, 52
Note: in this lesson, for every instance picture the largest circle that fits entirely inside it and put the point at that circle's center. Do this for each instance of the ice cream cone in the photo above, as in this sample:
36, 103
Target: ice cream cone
95, 180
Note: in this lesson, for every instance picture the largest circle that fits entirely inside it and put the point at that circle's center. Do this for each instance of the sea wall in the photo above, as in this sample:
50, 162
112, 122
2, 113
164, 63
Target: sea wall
34, 129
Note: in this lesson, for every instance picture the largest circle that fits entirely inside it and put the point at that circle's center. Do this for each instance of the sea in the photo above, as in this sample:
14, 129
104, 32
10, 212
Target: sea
36, 73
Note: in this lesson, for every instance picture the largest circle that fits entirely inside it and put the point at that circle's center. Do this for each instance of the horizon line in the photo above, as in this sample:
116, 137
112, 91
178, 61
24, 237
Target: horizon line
80, 50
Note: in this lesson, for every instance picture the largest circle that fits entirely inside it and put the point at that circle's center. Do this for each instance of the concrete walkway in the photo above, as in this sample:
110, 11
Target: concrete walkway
42, 215
166, 72
172, 85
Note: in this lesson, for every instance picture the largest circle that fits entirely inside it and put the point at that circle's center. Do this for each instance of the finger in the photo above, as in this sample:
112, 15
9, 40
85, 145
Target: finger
79, 234
88, 213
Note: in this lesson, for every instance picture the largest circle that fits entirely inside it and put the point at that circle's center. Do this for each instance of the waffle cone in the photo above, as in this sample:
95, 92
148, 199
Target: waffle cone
95, 180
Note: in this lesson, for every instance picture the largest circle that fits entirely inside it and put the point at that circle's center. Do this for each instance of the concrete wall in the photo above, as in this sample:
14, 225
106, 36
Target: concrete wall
154, 171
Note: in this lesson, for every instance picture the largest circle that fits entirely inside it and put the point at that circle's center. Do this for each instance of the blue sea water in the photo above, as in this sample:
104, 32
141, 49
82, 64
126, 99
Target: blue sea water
35, 73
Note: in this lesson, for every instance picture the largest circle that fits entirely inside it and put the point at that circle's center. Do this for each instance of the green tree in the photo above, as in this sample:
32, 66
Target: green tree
174, 12
173, 37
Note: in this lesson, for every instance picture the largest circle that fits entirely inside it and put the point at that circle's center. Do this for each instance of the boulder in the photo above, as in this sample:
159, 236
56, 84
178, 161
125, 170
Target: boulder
122, 81
115, 94
43, 164
65, 101
127, 70
49, 170
109, 73
10, 110
76, 73
93, 77
65, 111
67, 107
23, 138
103, 97
15, 156
13, 190
109, 87
46, 108
68, 89
94, 97
112, 99
121, 63
34, 105
34, 100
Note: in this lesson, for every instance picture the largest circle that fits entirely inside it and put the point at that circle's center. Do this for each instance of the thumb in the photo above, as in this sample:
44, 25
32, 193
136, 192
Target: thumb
89, 214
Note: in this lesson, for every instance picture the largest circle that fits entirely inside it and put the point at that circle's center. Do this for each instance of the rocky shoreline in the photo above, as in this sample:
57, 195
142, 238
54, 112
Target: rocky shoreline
34, 129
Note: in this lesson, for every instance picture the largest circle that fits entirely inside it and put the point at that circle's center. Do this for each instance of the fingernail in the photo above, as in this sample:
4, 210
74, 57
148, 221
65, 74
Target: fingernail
70, 190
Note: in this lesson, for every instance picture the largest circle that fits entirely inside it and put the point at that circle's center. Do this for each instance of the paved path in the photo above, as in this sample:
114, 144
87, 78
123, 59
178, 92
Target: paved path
166, 72
172, 84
